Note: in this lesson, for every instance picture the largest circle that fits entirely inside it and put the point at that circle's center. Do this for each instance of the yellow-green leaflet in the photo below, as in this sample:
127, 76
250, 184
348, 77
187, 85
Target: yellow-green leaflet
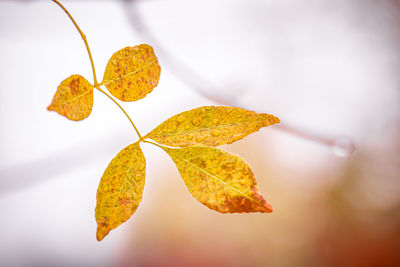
132, 72
73, 98
210, 126
120, 190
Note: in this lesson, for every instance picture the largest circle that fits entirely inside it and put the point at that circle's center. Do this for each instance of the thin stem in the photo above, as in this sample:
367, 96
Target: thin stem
83, 37
155, 144
123, 110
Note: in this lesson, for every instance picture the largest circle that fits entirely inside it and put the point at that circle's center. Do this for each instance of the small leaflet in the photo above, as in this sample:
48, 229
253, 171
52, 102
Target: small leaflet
210, 126
218, 179
132, 72
120, 190
74, 98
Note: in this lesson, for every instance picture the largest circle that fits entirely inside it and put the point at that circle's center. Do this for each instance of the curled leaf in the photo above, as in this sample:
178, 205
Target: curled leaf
210, 126
120, 190
74, 98
220, 180
132, 72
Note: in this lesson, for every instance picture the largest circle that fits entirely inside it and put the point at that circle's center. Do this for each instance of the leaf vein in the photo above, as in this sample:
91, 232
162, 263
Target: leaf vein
198, 130
220, 181
130, 73
77, 97
122, 186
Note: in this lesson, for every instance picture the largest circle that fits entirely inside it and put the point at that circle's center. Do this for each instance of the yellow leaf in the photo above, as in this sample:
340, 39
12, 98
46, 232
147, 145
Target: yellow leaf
120, 190
73, 99
132, 72
210, 126
219, 180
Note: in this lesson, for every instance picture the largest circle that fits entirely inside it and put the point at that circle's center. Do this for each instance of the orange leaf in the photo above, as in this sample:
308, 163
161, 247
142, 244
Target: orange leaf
210, 126
120, 190
74, 98
132, 73
218, 179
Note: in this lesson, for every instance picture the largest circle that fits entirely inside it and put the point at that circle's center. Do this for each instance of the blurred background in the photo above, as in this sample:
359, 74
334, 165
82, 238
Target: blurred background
328, 69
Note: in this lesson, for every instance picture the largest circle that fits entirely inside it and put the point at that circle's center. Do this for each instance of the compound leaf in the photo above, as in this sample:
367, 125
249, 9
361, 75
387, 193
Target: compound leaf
132, 72
120, 190
220, 180
74, 98
210, 126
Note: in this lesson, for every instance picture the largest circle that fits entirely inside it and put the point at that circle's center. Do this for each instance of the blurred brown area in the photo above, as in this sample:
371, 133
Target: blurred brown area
353, 220
346, 213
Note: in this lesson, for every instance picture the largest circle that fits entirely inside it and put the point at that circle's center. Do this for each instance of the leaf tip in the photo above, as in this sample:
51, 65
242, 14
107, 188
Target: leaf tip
101, 233
276, 119
262, 204
255, 203
268, 208
271, 120
50, 107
